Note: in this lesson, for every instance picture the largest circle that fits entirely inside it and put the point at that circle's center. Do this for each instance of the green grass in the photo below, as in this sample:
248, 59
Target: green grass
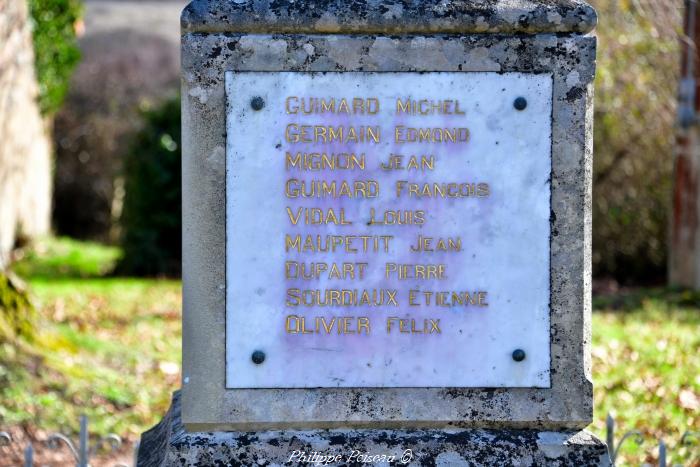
646, 370
53, 258
110, 347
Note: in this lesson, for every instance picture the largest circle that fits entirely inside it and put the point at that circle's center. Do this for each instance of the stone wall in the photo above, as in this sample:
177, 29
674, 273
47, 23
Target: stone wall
25, 163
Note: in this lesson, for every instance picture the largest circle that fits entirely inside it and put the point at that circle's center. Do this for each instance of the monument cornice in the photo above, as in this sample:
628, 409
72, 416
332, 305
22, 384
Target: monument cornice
400, 17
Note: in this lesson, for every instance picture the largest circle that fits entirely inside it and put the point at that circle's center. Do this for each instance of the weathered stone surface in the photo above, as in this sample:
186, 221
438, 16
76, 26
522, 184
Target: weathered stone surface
167, 444
208, 406
389, 16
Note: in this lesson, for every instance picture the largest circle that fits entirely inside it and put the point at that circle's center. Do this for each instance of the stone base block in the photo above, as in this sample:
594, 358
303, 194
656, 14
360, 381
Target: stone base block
167, 444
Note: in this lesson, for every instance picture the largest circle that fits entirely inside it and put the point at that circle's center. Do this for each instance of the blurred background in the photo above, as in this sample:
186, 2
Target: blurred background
90, 222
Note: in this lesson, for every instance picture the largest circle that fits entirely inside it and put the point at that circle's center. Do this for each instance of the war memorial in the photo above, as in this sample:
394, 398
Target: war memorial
386, 235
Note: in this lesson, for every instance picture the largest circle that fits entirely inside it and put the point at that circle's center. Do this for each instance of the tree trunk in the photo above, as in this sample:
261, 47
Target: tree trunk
25, 148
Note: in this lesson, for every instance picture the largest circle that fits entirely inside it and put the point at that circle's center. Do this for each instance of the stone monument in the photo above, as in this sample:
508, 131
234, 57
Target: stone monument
386, 234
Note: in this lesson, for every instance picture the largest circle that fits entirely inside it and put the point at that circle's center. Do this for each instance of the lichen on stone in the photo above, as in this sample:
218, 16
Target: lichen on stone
389, 16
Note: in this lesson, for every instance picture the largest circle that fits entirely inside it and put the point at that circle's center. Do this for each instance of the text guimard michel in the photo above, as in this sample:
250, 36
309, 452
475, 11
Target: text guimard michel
312, 149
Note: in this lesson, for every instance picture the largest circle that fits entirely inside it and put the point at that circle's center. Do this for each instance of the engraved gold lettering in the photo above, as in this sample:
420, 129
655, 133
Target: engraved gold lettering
391, 217
476, 299
394, 163
322, 325
428, 107
414, 271
403, 134
317, 216
425, 244
292, 324
295, 188
291, 108
314, 161
341, 297
441, 190
408, 326
332, 105
326, 134
426, 163
363, 324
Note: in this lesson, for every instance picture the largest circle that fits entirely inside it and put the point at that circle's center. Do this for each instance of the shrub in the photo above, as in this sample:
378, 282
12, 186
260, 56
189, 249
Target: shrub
151, 217
638, 68
119, 71
55, 48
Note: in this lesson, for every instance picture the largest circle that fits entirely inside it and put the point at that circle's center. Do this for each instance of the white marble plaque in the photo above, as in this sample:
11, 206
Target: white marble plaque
387, 229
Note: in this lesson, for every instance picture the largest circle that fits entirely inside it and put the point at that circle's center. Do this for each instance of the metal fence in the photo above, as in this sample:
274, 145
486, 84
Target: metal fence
83, 452
687, 439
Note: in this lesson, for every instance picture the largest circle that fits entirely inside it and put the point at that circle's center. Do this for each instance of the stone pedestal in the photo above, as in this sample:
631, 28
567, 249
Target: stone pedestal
168, 444
505, 380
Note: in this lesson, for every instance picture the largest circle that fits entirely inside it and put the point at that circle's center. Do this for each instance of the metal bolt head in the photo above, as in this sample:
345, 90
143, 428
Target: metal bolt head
258, 357
257, 103
518, 355
520, 103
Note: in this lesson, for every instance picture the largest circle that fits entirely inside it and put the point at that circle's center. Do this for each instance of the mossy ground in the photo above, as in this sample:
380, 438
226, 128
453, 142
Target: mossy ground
110, 347
17, 314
